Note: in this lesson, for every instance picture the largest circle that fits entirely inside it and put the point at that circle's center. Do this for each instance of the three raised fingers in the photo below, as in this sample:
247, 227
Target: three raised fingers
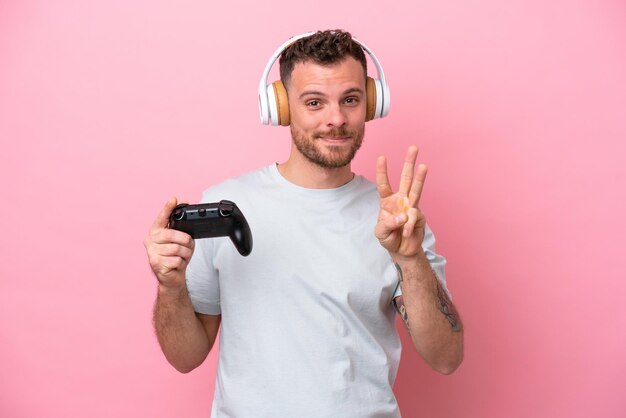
411, 181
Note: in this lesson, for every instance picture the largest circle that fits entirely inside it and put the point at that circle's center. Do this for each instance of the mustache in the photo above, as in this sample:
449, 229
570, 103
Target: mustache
336, 133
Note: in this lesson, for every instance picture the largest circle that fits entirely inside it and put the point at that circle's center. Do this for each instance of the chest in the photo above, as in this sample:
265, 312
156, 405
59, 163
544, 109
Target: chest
321, 258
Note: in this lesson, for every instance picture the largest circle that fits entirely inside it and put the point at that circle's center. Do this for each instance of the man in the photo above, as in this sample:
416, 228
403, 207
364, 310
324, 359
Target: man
307, 320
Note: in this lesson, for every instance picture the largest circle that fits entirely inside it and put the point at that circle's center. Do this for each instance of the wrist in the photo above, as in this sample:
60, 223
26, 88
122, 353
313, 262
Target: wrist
409, 261
415, 269
172, 291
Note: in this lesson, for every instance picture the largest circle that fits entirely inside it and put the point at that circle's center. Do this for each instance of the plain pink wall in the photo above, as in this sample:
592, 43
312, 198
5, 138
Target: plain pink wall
519, 107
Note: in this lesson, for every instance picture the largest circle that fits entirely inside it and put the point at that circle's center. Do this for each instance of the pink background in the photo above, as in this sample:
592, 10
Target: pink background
519, 108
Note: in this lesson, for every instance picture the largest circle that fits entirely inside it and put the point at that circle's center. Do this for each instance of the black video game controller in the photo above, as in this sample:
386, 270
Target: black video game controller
210, 220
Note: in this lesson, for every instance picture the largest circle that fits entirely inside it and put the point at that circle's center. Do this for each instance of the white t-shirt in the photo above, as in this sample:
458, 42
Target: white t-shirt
307, 320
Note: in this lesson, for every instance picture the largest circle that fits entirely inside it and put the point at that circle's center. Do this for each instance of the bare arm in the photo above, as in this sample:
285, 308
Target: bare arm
430, 316
185, 337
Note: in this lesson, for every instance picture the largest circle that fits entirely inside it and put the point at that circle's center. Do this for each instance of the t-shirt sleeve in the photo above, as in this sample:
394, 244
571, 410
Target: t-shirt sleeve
437, 262
202, 279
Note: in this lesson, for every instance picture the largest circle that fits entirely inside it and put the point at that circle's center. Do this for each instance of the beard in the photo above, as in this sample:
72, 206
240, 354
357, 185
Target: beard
337, 156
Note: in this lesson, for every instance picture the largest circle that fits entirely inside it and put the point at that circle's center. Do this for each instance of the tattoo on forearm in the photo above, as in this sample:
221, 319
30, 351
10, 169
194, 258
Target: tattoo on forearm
444, 303
399, 270
399, 304
447, 307
399, 301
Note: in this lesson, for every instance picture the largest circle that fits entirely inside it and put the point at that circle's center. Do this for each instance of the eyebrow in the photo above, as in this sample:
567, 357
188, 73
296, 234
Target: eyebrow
319, 93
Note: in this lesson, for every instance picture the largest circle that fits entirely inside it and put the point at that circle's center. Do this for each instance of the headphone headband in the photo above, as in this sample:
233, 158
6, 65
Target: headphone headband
267, 106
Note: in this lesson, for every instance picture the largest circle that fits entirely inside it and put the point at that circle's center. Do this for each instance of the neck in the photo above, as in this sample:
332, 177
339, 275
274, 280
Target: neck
302, 172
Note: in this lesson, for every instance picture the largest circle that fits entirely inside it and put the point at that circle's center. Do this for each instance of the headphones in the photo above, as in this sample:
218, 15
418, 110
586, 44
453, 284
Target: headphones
274, 104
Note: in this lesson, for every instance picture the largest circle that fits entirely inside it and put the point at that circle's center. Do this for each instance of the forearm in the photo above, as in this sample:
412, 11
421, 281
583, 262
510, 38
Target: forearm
182, 337
431, 317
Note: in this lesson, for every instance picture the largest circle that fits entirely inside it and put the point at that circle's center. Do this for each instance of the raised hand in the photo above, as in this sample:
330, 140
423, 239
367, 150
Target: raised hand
400, 226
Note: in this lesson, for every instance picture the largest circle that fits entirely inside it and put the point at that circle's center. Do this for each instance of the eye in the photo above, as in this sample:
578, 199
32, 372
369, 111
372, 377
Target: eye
351, 100
313, 103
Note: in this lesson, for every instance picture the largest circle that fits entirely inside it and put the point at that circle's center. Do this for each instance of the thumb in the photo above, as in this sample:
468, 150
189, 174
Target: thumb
387, 225
163, 217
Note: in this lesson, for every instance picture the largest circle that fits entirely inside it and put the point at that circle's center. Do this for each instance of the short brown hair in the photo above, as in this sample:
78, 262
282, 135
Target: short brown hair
324, 48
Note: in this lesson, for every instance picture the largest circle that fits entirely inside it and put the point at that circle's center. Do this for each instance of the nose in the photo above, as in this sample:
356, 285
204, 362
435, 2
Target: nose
335, 116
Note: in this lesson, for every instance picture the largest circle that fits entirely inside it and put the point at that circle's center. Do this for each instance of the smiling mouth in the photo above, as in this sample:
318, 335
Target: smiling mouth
335, 138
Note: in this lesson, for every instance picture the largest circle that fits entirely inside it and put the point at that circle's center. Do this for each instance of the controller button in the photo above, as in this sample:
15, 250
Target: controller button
226, 208
179, 214
202, 212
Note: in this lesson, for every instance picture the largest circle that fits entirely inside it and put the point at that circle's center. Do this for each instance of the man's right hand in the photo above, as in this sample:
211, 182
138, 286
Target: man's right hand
169, 250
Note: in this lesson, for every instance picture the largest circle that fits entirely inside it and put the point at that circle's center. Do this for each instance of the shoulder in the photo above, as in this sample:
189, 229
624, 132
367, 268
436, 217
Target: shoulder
365, 185
366, 191
236, 187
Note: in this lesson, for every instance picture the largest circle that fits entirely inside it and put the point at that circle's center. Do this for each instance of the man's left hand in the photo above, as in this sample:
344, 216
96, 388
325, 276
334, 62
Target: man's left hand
400, 227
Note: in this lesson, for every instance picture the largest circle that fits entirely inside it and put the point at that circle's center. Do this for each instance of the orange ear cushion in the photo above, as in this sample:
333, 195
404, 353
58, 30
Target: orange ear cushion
370, 91
282, 103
